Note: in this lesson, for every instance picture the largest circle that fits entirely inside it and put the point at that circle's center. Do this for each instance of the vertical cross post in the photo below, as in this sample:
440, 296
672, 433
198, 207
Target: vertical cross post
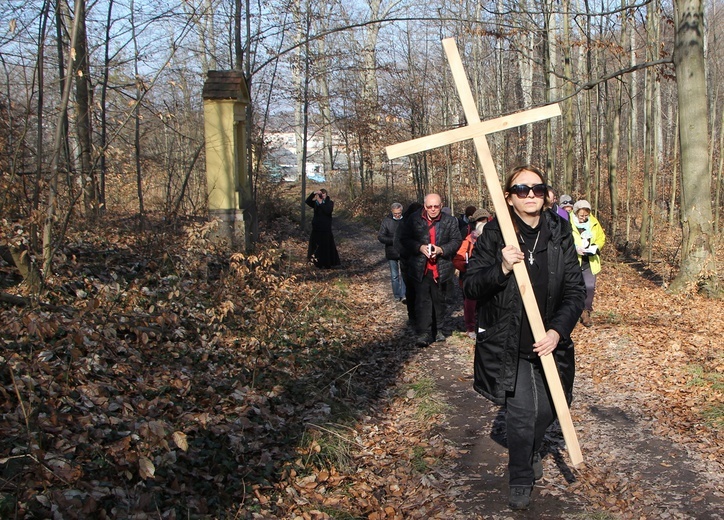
477, 130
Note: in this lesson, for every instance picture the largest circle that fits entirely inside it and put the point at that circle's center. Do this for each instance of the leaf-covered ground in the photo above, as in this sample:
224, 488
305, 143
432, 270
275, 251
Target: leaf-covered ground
164, 379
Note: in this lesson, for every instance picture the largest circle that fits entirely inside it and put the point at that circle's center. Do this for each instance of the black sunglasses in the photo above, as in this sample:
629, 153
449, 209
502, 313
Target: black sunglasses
522, 190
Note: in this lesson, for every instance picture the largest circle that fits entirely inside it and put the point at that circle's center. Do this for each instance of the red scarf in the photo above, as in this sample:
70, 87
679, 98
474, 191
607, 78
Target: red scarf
431, 264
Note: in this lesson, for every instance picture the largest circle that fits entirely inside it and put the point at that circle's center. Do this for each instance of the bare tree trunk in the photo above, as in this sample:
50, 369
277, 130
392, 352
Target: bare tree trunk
644, 244
613, 154
83, 116
588, 110
137, 121
720, 170
674, 179
301, 109
631, 157
207, 35
62, 12
525, 71
615, 150
370, 92
325, 109
104, 123
550, 57
41, 123
247, 185
698, 266
53, 188
568, 120
649, 135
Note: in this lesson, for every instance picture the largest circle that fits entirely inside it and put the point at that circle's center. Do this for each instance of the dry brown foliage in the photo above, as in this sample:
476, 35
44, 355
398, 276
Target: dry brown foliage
162, 378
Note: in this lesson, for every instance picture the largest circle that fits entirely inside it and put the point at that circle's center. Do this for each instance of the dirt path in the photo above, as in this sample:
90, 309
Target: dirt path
634, 466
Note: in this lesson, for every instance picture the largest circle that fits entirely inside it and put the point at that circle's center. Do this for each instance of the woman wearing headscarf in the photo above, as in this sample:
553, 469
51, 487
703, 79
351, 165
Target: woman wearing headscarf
589, 237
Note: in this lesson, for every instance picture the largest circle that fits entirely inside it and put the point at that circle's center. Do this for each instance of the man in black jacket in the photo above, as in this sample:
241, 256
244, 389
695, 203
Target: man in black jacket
428, 240
386, 235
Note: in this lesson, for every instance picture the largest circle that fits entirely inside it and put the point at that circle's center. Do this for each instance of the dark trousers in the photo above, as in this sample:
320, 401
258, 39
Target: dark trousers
430, 305
590, 279
410, 293
529, 413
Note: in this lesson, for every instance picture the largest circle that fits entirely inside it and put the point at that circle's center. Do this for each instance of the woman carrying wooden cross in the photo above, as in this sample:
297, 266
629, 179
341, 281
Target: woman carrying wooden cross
507, 366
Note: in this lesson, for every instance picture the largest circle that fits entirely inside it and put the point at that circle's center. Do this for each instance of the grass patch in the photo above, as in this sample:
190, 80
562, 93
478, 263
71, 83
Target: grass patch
714, 416
609, 316
342, 286
328, 446
422, 391
700, 377
419, 463
422, 388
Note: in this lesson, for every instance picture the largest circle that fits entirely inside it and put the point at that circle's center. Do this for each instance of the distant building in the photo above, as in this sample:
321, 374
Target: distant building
281, 157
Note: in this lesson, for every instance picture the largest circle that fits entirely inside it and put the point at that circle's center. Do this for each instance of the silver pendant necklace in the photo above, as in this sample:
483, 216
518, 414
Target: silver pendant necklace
530, 251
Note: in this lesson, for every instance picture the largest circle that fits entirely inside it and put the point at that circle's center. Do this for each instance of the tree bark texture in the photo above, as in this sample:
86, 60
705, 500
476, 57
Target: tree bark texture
697, 266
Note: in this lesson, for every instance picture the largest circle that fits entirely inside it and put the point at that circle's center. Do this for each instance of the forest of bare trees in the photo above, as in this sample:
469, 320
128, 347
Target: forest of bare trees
102, 113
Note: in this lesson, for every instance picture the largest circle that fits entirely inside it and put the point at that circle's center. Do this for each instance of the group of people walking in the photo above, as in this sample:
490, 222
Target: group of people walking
560, 249
559, 244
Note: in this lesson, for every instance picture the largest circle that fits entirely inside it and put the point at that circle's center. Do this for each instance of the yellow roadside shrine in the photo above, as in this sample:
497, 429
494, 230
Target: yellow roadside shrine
226, 97
477, 130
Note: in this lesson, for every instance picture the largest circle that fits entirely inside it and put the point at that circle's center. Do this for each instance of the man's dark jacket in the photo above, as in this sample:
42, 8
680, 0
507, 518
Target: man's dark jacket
414, 232
386, 235
500, 307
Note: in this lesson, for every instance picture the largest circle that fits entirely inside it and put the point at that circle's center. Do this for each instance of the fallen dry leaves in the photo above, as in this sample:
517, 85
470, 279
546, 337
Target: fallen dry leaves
164, 379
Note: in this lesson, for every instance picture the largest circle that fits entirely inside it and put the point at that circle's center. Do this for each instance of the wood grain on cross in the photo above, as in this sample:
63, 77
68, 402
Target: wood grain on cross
477, 130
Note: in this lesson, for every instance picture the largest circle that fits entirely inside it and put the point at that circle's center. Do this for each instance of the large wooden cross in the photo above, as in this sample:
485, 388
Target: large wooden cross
477, 130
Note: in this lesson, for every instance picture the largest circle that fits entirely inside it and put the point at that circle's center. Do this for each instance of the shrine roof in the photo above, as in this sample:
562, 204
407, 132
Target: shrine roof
226, 84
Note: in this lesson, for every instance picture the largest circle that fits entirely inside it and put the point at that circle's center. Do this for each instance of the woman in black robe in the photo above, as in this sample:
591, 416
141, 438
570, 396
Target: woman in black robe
322, 250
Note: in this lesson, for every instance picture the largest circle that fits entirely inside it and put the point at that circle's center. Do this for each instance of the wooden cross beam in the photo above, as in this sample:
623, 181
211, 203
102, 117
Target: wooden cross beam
477, 130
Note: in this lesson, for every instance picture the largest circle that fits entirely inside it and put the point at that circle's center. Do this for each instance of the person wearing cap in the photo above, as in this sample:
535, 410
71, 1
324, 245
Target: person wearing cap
553, 204
460, 261
589, 237
565, 206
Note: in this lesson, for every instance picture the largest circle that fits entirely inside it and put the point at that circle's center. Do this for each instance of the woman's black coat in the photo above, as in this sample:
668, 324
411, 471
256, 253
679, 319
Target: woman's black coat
500, 307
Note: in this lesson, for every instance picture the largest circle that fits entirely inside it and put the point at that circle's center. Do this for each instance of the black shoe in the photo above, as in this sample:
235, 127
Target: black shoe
423, 340
440, 337
519, 497
537, 467
403, 301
